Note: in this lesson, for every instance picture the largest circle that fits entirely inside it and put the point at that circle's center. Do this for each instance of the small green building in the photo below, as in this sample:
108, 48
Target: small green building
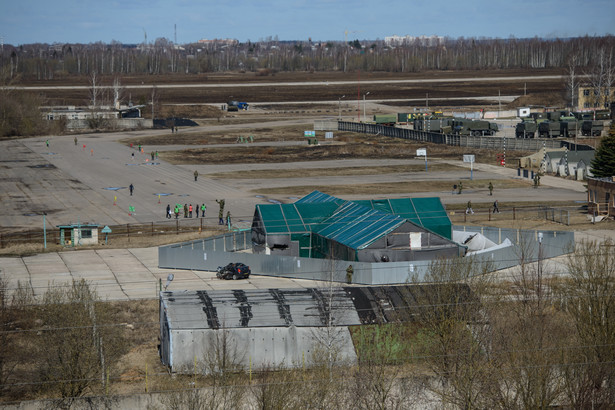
78, 234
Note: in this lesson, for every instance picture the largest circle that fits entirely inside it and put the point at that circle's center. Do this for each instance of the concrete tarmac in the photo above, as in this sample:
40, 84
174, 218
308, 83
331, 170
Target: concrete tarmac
80, 183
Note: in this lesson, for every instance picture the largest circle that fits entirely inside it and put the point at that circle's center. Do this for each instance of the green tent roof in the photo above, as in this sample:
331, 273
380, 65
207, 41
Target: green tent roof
428, 213
294, 218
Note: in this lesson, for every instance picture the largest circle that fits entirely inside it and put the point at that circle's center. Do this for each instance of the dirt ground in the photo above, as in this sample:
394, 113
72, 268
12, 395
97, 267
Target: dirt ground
357, 84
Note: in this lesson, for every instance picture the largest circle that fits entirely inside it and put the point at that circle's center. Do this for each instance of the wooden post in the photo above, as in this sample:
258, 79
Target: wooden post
152, 229
128, 231
514, 213
489, 213
465, 216
177, 226
201, 228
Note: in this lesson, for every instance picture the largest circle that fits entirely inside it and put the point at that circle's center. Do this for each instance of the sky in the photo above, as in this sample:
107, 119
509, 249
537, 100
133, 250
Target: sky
127, 21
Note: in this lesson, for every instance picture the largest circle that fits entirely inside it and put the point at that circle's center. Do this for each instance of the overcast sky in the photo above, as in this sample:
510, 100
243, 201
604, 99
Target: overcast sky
87, 21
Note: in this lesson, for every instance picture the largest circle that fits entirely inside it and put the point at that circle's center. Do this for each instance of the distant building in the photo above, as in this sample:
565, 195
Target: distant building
601, 196
219, 41
425, 41
592, 98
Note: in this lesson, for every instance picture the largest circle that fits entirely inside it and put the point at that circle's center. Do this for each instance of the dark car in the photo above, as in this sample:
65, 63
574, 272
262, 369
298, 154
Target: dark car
233, 271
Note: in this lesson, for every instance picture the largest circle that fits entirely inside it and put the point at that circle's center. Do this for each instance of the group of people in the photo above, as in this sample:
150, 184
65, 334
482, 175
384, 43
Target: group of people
496, 205
188, 210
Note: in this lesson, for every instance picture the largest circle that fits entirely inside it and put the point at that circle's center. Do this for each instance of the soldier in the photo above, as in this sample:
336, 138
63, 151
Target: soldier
196, 175
131, 188
221, 212
185, 210
490, 188
459, 187
75, 141
349, 273
469, 208
496, 209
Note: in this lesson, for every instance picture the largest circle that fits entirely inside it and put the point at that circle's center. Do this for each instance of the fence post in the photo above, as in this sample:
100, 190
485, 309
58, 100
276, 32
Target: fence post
152, 228
201, 228
128, 231
514, 212
177, 226
489, 213
465, 216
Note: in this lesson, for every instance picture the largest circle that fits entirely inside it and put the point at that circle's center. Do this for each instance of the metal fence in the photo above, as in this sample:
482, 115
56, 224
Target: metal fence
209, 253
487, 142
124, 231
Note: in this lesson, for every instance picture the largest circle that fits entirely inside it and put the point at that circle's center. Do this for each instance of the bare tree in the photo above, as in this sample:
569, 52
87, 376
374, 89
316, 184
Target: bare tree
455, 333
589, 298
78, 348
572, 81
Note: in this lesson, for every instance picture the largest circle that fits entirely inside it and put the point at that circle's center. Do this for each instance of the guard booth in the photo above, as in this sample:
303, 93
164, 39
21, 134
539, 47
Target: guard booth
78, 234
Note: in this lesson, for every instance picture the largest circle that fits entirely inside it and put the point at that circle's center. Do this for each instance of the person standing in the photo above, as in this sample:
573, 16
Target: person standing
496, 209
469, 209
185, 210
75, 141
228, 219
349, 273
221, 212
196, 208
131, 188
47, 142
190, 211
196, 175
176, 211
168, 213
203, 209
459, 188
490, 188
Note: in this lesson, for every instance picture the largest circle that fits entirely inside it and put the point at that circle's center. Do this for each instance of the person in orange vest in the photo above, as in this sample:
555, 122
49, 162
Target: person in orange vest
190, 211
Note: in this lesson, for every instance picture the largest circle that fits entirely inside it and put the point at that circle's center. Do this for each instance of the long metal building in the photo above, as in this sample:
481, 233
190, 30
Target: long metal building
280, 327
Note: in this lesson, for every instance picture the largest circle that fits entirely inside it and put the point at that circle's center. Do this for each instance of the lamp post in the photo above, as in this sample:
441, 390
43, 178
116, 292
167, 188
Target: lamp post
45, 230
364, 116
339, 107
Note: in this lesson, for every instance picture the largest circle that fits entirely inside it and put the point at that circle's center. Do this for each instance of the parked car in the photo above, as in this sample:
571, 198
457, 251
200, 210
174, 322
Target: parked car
233, 271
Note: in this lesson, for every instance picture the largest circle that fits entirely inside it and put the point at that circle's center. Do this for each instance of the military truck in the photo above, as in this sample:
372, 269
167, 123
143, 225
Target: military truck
434, 124
385, 119
526, 128
592, 128
473, 127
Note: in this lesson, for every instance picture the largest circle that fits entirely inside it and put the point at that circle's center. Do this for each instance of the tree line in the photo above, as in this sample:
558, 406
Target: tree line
49, 61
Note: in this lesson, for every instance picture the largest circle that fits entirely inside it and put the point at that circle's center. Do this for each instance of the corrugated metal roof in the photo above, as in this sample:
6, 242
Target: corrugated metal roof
318, 197
357, 226
426, 212
300, 307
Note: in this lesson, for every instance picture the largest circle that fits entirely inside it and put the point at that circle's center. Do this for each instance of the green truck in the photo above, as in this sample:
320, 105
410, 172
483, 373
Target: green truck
473, 127
526, 128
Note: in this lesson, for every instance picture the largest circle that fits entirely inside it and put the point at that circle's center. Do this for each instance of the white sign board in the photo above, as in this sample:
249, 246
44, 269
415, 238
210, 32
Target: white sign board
421, 152
468, 158
309, 133
415, 240
328, 134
